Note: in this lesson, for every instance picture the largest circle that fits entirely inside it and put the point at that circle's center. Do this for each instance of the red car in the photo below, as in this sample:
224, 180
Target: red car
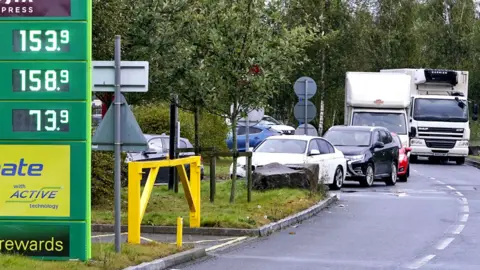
403, 162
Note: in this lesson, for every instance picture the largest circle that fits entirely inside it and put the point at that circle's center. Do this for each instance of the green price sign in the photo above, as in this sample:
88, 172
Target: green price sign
45, 111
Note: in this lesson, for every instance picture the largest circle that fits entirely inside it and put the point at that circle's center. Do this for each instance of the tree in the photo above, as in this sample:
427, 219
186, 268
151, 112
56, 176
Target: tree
247, 50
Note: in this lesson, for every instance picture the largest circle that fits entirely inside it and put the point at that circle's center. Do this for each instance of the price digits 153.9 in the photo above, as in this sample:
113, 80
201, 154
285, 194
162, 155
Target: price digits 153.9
29, 80
41, 40
54, 120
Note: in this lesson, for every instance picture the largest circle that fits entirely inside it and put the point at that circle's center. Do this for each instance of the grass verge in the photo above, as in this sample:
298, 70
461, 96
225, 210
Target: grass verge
104, 257
266, 207
222, 168
475, 157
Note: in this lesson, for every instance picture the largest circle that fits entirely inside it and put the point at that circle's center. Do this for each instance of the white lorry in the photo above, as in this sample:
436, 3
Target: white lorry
439, 113
378, 99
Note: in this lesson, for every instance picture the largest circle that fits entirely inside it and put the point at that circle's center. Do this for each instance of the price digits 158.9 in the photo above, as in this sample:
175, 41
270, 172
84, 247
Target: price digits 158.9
54, 120
29, 80
41, 40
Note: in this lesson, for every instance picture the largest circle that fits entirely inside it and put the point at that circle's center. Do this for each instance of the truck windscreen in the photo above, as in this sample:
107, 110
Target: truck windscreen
395, 122
444, 110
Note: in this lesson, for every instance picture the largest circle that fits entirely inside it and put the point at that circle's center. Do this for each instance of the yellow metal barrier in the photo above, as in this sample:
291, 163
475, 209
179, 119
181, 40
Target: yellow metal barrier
137, 204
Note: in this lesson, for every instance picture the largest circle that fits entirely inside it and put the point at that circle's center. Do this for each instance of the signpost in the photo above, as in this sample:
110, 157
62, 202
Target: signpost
305, 88
45, 111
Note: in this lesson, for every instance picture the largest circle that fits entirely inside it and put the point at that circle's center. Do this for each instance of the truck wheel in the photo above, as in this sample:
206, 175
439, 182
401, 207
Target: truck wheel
413, 159
460, 161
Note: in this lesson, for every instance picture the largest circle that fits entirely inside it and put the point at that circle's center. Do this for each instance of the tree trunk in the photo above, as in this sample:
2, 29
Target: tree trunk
235, 149
321, 114
196, 124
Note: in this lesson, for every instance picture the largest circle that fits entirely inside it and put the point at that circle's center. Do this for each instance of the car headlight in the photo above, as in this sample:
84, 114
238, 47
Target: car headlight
416, 142
355, 158
463, 143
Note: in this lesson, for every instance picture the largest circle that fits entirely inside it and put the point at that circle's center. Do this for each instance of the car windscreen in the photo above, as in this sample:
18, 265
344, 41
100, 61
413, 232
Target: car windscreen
347, 137
397, 141
444, 110
395, 122
285, 146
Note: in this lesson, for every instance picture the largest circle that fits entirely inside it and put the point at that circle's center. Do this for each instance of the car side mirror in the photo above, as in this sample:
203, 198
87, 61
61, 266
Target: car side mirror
408, 149
314, 152
378, 145
413, 132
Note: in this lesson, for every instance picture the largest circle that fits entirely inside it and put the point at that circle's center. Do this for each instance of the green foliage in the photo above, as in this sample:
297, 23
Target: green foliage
103, 177
153, 118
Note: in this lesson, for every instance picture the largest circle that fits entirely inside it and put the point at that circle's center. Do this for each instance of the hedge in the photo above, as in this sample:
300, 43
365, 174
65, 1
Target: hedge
153, 119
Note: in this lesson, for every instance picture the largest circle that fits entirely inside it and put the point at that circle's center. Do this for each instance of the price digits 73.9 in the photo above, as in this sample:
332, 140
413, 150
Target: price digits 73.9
53, 118
40, 80
42, 40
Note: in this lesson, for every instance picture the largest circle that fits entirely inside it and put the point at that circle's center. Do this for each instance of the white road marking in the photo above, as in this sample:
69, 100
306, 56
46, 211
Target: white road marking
440, 182
238, 239
432, 178
106, 235
450, 187
458, 229
464, 200
419, 263
464, 218
465, 209
459, 193
444, 243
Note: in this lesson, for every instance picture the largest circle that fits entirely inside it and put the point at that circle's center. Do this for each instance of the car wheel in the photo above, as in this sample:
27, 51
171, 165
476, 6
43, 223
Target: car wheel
408, 170
392, 178
337, 179
403, 178
367, 181
460, 161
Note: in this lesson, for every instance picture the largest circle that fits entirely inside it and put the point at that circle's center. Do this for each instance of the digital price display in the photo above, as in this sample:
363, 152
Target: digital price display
31, 80
40, 120
45, 116
41, 40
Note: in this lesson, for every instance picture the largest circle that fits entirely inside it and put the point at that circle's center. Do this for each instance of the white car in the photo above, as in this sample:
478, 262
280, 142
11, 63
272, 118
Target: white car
299, 149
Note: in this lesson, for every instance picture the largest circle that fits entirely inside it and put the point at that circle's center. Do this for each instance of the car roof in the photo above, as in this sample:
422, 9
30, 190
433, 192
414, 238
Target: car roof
152, 136
359, 128
293, 137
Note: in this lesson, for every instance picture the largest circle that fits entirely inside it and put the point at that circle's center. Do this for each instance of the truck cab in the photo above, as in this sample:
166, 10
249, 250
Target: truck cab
378, 99
439, 114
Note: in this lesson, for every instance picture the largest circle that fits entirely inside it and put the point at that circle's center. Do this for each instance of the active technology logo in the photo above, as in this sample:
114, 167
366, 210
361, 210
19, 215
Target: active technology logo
37, 198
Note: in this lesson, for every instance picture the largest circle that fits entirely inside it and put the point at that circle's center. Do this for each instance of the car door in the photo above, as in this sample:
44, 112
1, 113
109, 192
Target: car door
327, 157
387, 155
391, 152
255, 136
377, 153
315, 159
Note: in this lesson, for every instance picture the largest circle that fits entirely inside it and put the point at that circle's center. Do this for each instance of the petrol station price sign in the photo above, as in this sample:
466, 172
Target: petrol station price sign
45, 97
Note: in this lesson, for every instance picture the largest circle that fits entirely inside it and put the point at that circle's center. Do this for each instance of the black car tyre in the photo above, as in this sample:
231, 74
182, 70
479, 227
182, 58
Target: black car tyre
367, 181
392, 178
337, 179
460, 161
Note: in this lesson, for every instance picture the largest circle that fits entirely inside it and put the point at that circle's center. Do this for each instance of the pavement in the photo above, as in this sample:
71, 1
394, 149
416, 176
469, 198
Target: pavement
199, 241
429, 222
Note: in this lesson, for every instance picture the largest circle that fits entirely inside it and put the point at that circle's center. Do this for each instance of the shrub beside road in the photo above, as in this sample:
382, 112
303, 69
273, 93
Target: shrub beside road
269, 206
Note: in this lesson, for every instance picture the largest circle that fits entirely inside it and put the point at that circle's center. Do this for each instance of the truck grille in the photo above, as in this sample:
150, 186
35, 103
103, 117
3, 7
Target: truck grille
429, 132
448, 144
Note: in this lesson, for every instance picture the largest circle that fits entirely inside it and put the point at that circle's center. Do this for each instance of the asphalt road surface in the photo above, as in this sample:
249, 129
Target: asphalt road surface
430, 222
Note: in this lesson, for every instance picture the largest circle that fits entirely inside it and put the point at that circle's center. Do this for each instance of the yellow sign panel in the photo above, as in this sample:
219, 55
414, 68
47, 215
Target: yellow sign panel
35, 180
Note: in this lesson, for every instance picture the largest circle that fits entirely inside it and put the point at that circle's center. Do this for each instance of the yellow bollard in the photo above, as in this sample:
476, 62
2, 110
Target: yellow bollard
179, 232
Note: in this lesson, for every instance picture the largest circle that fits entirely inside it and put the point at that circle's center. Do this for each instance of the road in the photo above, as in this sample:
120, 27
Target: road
430, 222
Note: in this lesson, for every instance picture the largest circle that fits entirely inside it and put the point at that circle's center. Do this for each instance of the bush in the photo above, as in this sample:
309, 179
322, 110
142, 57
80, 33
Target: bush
154, 119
